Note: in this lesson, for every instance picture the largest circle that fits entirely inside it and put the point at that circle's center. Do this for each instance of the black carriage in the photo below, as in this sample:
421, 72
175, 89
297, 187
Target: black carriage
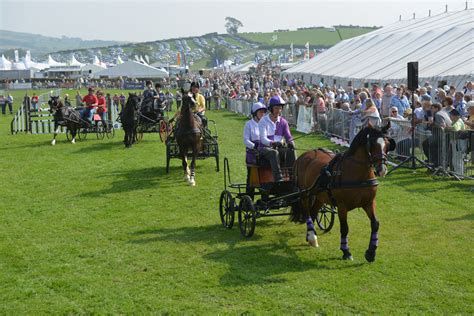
262, 197
98, 127
153, 121
210, 146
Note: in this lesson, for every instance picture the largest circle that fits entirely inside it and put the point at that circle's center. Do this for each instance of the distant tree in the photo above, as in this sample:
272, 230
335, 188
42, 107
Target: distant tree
232, 25
217, 53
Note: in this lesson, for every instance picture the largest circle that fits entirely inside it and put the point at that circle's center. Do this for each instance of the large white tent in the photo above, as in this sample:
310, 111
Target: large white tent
5, 64
132, 69
443, 46
52, 63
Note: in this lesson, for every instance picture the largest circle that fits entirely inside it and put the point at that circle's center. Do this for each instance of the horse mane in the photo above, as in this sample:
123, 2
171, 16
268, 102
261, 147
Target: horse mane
187, 121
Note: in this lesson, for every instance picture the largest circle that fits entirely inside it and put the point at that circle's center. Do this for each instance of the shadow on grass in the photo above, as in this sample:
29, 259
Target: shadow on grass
97, 147
138, 179
248, 261
467, 217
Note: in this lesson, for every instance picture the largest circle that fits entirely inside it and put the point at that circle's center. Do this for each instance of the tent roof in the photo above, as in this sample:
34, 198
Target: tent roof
132, 69
443, 45
5, 64
51, 62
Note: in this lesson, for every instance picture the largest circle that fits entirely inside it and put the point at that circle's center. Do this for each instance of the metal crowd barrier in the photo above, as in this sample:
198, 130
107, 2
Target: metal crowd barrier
446, 152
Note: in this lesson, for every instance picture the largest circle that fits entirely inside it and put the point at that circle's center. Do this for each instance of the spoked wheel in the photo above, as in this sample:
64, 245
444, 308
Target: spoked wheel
226, 209
110, 130
247, 216
163, 131
325, 217
100, 130
82, 133
138, 136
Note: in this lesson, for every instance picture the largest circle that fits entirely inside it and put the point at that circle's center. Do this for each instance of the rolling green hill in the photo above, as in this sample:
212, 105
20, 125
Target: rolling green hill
321, 37
39, 44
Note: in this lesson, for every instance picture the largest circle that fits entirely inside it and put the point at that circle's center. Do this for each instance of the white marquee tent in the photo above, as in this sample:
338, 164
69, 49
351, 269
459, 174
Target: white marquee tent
443, 46
5, 64
132, 69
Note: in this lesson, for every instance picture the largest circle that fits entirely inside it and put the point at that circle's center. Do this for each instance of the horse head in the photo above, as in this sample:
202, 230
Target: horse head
55, 103
378, 145
133, 101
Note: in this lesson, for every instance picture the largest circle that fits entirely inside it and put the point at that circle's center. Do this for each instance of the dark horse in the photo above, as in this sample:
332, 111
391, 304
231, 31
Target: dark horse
346, 181
64, 116
188, 136
128, 117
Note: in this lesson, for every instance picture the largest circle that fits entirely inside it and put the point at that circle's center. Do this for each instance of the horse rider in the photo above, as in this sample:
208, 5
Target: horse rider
90, 100
200, 105
161, 101
149, 96
274, 132
251, 132
252, 137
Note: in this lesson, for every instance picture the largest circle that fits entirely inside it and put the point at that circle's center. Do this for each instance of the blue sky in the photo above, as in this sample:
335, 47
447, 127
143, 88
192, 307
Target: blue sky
147, 20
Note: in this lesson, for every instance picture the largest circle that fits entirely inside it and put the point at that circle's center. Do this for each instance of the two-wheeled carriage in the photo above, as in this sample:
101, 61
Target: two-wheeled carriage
98, 127
153, 122
210, 146
262, 197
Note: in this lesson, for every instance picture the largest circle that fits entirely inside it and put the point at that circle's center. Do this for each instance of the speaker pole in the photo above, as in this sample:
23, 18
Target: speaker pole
412, 86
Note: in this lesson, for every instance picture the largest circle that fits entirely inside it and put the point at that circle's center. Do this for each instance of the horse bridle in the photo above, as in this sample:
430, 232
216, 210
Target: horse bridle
381, 157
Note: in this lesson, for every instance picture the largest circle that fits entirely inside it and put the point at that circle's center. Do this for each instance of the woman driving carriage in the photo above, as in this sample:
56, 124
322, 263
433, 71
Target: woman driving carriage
274, 133
251, 133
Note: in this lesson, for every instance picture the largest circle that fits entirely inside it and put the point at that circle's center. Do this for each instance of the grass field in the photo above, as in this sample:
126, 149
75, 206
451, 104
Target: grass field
95, 228
321, 37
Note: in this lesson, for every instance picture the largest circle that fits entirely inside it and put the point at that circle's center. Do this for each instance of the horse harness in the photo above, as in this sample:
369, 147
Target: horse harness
330, 177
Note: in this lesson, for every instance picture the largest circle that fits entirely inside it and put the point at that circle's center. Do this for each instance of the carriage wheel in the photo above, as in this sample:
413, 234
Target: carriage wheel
247, 216
163, 131
99, 130
226, 209
110, 130
82, 133
325, 217
138, 136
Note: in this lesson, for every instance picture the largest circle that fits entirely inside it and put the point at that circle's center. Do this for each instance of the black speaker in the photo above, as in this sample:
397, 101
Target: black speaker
412, 75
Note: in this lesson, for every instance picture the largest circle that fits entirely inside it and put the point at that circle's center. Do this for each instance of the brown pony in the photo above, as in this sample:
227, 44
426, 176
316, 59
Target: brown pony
346, 181
188, 136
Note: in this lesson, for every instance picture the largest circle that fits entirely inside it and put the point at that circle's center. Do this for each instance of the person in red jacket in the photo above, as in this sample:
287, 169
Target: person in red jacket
101, 106
90, 101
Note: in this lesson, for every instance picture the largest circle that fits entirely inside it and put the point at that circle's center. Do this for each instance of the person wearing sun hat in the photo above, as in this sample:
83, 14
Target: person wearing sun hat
274, 131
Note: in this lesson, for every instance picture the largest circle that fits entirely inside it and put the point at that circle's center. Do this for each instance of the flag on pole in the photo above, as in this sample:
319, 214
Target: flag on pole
307, 50
178, 59
291, 47
306, 45
274, 37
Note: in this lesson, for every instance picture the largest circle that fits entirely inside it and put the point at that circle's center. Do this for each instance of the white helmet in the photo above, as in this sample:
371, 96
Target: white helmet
258, 106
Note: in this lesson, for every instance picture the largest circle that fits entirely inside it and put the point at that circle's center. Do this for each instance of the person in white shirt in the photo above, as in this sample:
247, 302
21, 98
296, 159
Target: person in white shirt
251, 132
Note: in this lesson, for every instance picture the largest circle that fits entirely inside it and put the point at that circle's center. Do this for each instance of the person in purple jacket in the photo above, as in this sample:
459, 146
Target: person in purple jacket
274, 134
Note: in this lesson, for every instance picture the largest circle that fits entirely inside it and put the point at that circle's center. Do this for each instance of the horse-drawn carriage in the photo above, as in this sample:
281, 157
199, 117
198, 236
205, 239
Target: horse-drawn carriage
209, 145
97, 126
153, 121
262, 197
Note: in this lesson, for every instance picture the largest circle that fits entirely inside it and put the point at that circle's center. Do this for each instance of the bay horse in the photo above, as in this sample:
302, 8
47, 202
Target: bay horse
345, 181
64, 116
128, 117
188, 136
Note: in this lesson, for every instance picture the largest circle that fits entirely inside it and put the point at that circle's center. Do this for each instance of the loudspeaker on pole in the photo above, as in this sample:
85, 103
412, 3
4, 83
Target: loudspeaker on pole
412, 75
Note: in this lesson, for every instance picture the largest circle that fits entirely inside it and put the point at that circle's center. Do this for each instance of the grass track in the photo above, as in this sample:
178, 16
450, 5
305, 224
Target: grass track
95, 228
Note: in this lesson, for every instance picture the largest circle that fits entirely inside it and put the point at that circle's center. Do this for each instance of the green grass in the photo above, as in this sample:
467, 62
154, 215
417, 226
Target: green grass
95, 228
320, 37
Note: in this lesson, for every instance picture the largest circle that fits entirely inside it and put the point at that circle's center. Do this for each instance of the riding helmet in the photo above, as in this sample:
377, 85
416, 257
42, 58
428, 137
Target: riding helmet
275, 100
258, 106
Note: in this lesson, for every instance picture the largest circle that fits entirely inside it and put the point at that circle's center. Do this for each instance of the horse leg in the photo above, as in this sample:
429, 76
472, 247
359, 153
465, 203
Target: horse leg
342, 214
311, 236
374, 237
192, 180
73, 134
56, 131
184, 158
